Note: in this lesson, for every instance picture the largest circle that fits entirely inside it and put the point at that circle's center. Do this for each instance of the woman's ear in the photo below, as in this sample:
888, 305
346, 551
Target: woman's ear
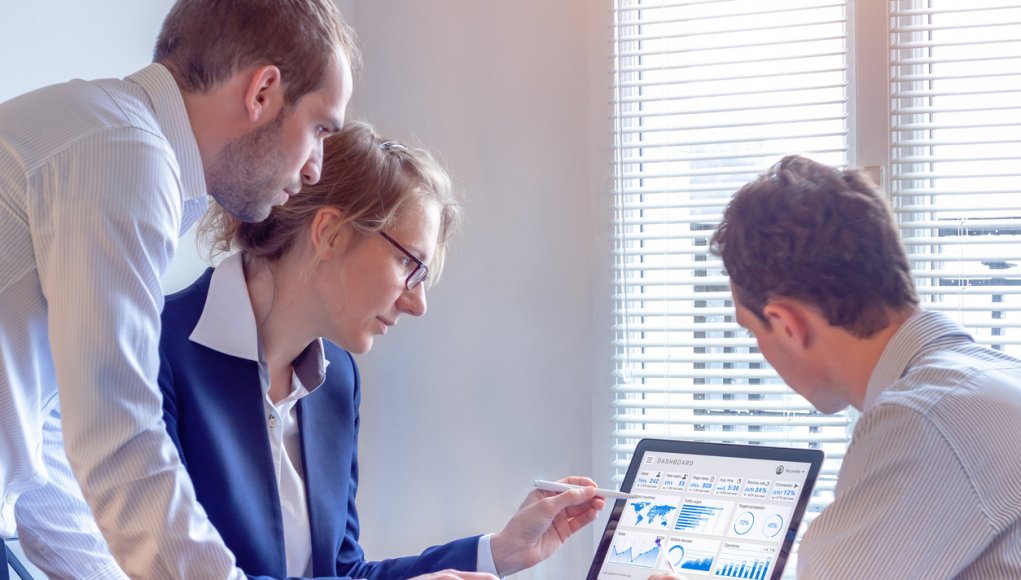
330, 236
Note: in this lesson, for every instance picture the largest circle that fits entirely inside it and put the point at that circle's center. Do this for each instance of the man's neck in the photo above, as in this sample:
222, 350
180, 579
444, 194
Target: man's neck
858, 357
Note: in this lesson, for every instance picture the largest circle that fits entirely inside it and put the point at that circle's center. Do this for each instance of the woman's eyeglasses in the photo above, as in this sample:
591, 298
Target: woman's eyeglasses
421, 271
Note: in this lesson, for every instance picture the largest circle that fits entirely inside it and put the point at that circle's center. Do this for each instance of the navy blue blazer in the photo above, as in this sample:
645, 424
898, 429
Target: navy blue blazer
213, 408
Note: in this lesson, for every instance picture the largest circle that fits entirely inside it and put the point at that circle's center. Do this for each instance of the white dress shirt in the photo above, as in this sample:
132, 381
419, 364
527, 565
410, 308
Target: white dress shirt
285, 447
227, 325
97, 182
929, 485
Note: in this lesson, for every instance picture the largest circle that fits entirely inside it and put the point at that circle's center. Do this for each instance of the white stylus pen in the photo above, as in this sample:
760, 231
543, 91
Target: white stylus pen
669, 564
557, 486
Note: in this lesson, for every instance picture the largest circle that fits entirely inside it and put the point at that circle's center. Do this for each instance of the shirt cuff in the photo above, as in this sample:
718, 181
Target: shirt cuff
485, 560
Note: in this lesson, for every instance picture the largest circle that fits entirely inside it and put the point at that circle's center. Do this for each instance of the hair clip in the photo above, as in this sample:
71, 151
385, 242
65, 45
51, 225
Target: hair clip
392, 146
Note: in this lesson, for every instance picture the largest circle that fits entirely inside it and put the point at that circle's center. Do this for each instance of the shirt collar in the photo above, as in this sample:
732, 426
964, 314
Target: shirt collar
227, 325
923, 331
168, 105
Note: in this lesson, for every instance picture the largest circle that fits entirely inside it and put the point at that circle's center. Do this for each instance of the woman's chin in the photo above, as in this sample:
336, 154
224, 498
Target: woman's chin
360, 346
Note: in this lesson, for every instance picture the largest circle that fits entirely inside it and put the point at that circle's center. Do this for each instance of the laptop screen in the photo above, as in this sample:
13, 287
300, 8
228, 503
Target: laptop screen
710, 509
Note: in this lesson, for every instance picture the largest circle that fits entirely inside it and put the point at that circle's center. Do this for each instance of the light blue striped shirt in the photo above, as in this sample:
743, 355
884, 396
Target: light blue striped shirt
931, 483
97, 181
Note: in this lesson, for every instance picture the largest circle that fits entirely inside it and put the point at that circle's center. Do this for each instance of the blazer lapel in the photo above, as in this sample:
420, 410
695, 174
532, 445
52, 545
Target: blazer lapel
325, 446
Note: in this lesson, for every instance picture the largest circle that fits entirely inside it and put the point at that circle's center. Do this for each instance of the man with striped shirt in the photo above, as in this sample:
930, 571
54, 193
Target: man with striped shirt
97, 181
929, 487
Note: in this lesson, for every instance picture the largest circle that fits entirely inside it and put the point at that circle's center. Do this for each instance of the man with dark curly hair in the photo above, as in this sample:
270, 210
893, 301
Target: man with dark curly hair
928, 487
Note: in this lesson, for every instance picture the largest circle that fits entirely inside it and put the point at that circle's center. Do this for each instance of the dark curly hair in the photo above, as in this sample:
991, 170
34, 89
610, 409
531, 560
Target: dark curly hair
818, 234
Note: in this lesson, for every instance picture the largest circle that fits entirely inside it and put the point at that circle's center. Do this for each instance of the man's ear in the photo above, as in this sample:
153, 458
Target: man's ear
329, 236
265, 93
790, 320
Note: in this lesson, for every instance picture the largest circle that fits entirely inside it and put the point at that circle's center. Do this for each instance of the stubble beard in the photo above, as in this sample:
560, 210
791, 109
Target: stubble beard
245, 176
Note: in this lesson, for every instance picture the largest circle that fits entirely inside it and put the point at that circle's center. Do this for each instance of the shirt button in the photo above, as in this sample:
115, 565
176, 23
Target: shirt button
272, 422
11, 497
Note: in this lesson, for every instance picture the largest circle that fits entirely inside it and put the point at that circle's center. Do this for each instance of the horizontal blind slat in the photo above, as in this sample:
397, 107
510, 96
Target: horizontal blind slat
696, 117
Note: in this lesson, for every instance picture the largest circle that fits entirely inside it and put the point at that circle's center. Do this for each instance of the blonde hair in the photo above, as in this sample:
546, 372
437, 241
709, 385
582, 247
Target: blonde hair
204, 42
368, 178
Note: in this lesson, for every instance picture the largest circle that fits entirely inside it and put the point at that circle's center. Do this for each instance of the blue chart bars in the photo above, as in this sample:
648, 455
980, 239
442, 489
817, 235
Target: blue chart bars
755, 570
697, 518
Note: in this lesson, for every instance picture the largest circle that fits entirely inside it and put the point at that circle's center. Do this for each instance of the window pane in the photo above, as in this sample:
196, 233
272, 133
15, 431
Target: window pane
709, 95
956, 117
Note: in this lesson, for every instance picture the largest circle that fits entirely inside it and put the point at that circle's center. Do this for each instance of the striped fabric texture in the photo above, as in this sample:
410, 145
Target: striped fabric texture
97, 182
931, 484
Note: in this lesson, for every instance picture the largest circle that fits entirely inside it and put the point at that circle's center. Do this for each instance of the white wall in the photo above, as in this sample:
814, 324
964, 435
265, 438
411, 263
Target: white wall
506, 379
501, 382
49, 41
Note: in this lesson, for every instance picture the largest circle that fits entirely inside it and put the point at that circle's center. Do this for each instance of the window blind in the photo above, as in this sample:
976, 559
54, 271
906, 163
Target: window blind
956, 158
708, 94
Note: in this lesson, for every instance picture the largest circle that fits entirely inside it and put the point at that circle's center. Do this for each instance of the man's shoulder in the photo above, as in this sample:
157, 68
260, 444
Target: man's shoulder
960, 372
969, 396
44, 122
93, 104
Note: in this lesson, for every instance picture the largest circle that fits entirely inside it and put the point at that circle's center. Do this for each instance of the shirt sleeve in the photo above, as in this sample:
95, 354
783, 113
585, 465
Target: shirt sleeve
55, 525
486, 561
904, 506
102, 242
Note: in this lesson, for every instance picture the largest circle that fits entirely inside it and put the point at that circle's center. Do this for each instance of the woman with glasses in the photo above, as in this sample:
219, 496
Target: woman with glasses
260, 390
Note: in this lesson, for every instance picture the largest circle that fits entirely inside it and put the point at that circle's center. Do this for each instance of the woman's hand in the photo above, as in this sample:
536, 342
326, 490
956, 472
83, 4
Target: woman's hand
543, 523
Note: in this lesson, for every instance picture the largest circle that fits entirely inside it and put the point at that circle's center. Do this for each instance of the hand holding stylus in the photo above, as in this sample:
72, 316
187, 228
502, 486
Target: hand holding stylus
559, 486
543, 523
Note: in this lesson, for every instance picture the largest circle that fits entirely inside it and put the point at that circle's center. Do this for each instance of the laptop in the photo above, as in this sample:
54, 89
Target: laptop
707, 509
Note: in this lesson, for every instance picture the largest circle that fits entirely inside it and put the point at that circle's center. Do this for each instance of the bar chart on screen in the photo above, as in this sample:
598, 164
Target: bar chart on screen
741, 560
704, 516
